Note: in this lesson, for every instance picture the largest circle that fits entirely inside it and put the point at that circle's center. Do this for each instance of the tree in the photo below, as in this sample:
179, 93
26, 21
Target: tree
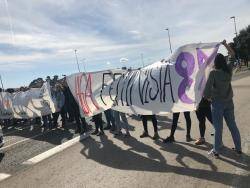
242, 44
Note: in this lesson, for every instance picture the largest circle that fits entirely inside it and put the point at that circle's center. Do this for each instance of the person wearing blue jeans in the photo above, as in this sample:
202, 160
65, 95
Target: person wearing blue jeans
110, 120
219, 90
121, 119
225, 109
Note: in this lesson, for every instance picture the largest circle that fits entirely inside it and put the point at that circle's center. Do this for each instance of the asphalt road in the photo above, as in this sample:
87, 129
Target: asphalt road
115, 161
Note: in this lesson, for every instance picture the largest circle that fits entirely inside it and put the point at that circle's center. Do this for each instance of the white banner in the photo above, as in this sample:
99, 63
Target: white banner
173, 85
29, 104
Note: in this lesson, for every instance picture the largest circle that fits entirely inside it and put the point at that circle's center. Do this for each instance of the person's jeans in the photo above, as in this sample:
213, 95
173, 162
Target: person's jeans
226, 110
118, 123
110, 118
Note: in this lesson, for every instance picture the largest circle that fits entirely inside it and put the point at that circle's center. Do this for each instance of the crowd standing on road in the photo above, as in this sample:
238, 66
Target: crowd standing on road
216, 104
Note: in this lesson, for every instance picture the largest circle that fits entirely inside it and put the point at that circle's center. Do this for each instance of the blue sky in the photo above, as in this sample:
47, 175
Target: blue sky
38, 37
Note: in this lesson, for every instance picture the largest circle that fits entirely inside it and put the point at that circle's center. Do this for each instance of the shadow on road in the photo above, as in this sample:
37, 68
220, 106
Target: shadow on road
141, 157
182, 152
54, 136
1, 156
227, 155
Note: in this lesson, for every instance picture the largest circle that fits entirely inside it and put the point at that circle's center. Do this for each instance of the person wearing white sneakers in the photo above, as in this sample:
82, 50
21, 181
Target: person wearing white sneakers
219, 91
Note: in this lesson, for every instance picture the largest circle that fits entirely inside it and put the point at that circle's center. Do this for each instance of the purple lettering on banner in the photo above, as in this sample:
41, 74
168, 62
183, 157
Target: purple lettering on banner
202, 59
185, 72
203, 62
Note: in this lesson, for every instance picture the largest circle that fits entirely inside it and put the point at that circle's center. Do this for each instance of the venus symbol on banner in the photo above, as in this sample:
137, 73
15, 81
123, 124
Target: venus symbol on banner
187, 71
203, 62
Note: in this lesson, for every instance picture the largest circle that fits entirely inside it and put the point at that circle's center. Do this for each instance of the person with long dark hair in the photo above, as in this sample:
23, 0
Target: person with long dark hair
219, 90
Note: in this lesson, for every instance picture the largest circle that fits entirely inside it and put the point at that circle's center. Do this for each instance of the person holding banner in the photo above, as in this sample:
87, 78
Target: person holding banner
110, 120
97, 119
145, 119
219, 90
174, 126
203, 111
118, 116
60, 101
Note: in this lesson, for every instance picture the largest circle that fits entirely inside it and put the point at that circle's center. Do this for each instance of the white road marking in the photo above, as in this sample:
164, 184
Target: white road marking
22, 141
4, 176
55, 150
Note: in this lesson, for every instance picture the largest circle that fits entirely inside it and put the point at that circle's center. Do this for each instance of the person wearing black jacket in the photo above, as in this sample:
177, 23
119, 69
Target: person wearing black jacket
203, 111
74, 112
97, 119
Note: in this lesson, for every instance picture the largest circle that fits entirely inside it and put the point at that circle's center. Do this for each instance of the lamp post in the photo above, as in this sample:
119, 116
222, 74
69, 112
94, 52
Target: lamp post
170, 47
84, 66
235, 29
142, 60
236, 40
1, 82
77, 61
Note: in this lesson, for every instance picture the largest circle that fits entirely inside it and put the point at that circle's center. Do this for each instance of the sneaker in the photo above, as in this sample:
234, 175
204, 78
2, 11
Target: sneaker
144, 134
100, 133
95, 132
200, 141
213, 153
188, 138
169, 139
156, 136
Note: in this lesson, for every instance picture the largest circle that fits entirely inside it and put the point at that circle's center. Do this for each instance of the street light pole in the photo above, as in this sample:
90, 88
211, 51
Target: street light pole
77, 61
84, 67
142, 60
169, 40
237, 41
233, 17
1, 82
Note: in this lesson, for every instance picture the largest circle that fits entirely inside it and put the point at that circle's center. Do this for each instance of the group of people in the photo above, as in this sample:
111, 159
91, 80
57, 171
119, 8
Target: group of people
68, 107
216, 103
